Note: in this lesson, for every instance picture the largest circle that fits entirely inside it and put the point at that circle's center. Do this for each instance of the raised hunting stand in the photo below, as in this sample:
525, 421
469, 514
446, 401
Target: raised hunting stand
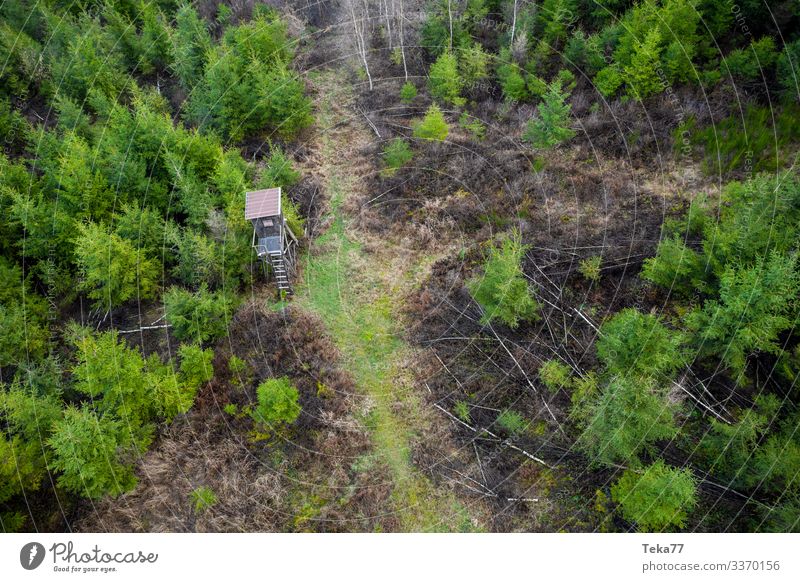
275, 243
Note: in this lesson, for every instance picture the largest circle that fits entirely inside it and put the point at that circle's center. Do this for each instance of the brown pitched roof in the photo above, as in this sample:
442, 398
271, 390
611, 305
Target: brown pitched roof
262, 203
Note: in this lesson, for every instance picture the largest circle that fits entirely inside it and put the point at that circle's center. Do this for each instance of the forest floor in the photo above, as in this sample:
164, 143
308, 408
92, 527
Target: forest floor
358, 286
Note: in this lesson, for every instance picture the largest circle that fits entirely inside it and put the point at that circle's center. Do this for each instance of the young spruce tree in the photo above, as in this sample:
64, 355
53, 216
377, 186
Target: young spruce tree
502, 290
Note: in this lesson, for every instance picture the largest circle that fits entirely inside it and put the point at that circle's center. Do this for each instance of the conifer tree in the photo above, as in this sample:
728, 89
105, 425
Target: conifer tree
658, 499
552, 124
444, 81
502, 290
433, 126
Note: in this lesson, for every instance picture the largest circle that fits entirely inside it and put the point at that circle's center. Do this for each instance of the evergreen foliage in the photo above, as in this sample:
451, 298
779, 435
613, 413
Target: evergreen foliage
444, 81
277, 402
104, 193
199, 317
632, 342
657, 499
87, 450
113, 270
408, 91
433, 126
629, 415
397, 154
502, 290
555, 375
552, 124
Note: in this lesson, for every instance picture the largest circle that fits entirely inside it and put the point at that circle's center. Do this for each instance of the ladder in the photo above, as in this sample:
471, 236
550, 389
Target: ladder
279, 272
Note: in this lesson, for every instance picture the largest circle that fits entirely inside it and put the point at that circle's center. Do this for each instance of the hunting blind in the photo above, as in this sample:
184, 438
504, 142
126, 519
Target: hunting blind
274, 241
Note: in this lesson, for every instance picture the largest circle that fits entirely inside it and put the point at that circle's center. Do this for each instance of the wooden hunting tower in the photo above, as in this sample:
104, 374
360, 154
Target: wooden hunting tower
274, 242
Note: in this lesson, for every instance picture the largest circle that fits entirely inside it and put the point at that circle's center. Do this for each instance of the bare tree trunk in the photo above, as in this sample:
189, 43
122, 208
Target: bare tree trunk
358, 29
450, 16
402, 39
513, 25
388, 17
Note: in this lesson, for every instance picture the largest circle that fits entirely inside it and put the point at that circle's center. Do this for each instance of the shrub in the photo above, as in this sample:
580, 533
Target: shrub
279, 171
753, 62
473, 64
608, 81
408, 91
636, 343
397, 154
277, 402
113, 270
512, 422
198, 317
757, 141
503, 291
555, 375
202, 498
590, 268
461, 409
552, 124
472, 124
86, 452
444, 81
756, 304
433, 126
657, 499
628, 416
195, 367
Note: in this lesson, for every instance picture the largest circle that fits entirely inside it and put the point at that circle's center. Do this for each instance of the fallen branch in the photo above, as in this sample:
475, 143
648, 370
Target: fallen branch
584, 318
705, 407
145, 328
506, 442
525, 375
372, 125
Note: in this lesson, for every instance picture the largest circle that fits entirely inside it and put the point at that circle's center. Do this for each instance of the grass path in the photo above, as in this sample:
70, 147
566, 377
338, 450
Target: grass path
358, 294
